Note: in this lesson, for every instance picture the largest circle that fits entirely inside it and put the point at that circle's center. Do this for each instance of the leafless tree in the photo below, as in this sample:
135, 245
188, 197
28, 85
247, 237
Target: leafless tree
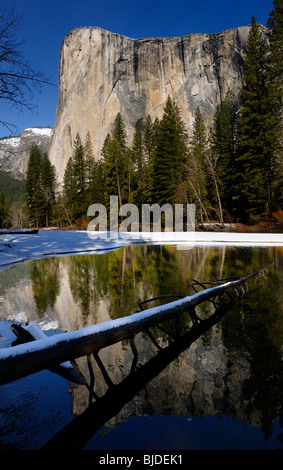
17, 218
18, 79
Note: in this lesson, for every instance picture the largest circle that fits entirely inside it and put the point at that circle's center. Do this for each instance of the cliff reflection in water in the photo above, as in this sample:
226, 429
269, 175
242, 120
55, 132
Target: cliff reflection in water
234, 369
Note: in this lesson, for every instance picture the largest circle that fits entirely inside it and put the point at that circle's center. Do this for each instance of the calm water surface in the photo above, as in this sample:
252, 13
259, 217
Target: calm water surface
223, 391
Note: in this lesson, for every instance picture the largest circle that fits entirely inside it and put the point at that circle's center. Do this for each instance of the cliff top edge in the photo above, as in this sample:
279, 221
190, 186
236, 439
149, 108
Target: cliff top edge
152, 38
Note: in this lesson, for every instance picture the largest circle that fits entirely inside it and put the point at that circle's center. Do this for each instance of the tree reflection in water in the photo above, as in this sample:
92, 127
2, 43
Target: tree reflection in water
234, 369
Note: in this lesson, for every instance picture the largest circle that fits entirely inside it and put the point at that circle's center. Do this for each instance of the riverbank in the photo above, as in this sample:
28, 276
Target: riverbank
19, 247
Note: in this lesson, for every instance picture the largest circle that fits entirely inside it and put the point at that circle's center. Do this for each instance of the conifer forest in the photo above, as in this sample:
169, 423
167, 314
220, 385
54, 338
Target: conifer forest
232, 172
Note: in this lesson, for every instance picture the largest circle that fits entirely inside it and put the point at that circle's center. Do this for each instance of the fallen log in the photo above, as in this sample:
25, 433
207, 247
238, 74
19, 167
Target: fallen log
25, 359
27, 231
75, 435
31, 332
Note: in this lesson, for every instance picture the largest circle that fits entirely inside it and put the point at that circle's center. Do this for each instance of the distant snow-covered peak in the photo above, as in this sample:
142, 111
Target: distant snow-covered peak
42, 131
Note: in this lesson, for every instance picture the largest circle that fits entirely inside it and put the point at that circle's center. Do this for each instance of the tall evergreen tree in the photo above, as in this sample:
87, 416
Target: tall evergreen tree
69, 189
34, 198
89, 158
113, 172
109, 175
196, 170
137, 156
119, 132
97, 183
105, 148
150, 140
4, 209
275, 89
256, 146
40, 188
115, 156
150, 135
130, 177
224, 149
79, 176
275, 59
89, 168
170, 156
48, 187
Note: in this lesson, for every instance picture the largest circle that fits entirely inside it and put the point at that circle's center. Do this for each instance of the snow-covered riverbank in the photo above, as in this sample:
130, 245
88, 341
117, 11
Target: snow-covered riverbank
19, 247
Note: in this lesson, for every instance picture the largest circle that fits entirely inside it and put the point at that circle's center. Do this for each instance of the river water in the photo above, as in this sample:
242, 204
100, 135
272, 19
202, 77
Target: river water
221, 391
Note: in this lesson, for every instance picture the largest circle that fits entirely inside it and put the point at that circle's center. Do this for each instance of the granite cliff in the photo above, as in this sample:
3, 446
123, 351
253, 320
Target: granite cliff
102, 73
14, 151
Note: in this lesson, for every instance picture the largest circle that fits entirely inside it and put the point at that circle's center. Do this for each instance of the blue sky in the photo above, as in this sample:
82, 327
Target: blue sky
45, 23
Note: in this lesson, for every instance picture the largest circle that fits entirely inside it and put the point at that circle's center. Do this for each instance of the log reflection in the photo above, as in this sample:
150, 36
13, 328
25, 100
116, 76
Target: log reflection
79, 431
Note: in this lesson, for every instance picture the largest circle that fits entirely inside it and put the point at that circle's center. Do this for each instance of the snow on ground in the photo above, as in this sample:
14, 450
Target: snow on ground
19, 247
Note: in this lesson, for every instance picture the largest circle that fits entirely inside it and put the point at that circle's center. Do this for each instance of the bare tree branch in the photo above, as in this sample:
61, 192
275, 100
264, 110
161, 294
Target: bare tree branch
18, 79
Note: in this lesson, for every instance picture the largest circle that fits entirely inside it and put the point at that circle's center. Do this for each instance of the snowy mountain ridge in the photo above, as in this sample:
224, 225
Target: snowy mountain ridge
14, 151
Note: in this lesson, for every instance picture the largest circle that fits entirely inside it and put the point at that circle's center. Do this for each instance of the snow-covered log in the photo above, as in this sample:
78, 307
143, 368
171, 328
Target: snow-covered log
31, 332
24, 359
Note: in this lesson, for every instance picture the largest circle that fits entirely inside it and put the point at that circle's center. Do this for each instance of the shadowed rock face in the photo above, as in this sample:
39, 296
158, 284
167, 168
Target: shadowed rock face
102, 74
14, 151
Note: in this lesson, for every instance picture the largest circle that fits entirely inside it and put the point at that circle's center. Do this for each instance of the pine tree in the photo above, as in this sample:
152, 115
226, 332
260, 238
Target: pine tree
275, 59
48, 187
89, 170
224, 150
89, 163
137, 156
150, 140
275, 90
4, 209
34, 198
150, 133
79, 209
130, 174
119, 132
196, 171
115, 159
109, 173
256, 146
119, 135
97, 183
105, 148
69, 191
170, 156
40, 188
112, 172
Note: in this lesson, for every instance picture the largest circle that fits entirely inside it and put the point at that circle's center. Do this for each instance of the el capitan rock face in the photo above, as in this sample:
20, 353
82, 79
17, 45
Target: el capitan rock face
102, 74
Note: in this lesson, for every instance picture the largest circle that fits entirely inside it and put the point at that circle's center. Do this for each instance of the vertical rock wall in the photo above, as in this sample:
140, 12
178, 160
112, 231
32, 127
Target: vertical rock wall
102, 73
